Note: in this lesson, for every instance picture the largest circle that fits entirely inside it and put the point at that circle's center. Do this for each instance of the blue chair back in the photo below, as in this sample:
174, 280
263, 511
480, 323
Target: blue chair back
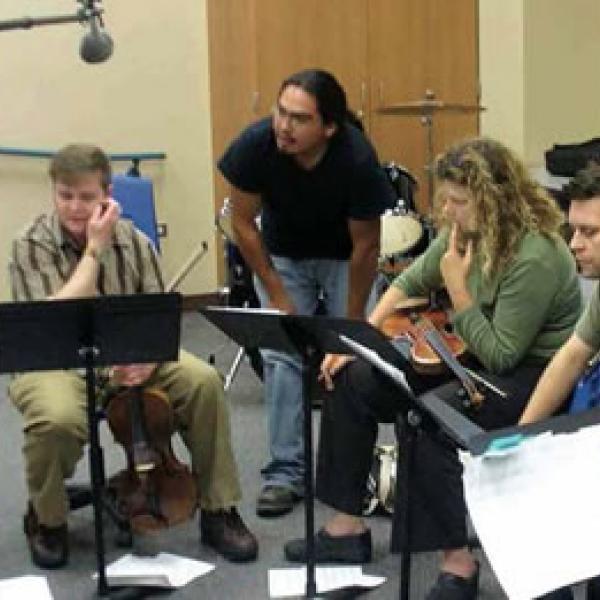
135, 195
587, 391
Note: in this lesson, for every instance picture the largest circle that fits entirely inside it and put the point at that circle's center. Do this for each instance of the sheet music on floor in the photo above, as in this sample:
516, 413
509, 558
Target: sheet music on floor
285, 583
163, 570
31, 587
536, 510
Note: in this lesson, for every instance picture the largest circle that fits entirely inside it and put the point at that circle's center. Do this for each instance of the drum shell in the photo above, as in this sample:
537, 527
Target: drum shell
404, 185
403, 238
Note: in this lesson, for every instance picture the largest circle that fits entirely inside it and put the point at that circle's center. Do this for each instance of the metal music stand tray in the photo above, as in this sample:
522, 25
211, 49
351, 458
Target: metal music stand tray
89, 333
415, 412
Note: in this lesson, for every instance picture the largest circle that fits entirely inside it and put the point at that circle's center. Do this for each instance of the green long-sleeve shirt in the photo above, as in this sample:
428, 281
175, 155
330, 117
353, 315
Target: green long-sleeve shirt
523, 314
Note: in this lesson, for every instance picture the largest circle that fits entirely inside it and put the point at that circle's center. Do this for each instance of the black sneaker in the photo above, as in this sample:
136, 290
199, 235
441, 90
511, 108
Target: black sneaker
48, 545
453, 587
225, 531
354, 549
275, 500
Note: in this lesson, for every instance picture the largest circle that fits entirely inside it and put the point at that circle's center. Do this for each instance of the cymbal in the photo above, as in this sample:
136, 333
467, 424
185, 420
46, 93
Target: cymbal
427, 107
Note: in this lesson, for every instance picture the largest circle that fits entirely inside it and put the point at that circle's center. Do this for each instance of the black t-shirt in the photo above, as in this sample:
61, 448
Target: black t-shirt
305, 212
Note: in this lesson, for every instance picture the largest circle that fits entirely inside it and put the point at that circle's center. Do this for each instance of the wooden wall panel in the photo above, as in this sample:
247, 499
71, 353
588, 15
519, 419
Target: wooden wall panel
232, 55
301, 34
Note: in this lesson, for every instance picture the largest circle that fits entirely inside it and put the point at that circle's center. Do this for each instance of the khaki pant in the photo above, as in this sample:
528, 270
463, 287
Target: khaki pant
53, 405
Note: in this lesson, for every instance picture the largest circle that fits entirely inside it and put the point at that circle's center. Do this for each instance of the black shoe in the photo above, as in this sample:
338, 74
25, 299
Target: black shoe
453, 587
275, 500
564, 593
354, 549
225, 531
48, 545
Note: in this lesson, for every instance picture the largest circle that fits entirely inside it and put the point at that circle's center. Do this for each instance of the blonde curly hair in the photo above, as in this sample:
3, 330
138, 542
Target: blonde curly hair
508, 203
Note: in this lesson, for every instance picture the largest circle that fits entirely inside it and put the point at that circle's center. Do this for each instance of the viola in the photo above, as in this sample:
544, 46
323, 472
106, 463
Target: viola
433, 346
413, 325
156, 490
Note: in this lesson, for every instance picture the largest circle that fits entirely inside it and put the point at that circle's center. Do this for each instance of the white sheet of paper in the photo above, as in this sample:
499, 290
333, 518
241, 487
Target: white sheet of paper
536, 510
284, 583
30, 587
167, 570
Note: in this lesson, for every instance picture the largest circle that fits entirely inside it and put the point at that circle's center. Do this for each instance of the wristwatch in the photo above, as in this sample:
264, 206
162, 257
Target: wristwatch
93, 252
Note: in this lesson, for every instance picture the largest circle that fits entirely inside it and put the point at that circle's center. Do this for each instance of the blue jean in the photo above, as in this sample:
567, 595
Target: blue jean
303, 279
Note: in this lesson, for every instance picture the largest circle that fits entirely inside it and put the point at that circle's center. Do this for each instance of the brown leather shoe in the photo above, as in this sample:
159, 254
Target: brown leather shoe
225, 531
49, 546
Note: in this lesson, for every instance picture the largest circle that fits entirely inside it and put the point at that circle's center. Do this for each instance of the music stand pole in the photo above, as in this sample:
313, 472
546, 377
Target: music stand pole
88, 353
406, 433
253, 328
310, 356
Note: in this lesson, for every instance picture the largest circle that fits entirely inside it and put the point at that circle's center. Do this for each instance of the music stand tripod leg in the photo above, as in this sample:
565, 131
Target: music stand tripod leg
237, 361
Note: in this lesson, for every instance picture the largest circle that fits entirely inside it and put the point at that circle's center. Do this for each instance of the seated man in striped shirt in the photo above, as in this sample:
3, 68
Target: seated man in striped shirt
83, 249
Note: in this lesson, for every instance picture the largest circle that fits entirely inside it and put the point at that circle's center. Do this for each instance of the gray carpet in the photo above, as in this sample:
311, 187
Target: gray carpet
227, 581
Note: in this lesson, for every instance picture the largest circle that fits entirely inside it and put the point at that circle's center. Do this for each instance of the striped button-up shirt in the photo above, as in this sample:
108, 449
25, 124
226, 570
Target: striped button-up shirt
44, 257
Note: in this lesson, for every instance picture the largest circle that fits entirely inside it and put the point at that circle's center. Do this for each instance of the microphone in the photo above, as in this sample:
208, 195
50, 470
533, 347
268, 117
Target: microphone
96, 45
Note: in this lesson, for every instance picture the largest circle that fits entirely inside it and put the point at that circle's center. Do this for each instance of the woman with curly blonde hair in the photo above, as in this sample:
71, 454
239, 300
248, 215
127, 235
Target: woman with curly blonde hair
502, 193
515, 297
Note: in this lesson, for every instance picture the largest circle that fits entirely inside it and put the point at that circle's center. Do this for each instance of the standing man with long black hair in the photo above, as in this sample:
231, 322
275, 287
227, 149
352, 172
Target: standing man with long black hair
317, 185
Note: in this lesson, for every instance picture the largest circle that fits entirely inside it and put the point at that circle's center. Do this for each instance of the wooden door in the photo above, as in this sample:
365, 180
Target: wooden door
301, 34
232, 57
418, 50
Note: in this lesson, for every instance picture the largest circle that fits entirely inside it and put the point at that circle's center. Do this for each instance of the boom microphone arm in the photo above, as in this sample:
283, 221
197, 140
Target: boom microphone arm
96, 45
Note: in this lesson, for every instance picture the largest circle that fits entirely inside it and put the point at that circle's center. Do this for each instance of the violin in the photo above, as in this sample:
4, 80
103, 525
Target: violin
412, 325
156, 490
433, 346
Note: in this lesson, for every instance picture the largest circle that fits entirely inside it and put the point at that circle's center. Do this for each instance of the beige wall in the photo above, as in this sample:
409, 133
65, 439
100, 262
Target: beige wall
152, 95
562, 83
539, 72
501, 70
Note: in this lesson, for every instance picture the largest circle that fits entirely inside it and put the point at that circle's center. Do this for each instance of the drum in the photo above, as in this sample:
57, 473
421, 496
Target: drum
402, 231
404, 185
402, 239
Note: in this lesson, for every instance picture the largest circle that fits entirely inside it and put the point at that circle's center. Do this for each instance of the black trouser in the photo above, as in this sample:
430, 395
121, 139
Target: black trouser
592, 592
350, 415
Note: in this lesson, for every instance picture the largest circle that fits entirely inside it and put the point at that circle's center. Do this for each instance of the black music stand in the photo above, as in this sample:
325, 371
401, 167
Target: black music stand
89, 333
311, 336
426, 411
260, 328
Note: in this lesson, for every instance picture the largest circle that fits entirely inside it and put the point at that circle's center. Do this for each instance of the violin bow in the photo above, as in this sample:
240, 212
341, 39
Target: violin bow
435, 340
198, 253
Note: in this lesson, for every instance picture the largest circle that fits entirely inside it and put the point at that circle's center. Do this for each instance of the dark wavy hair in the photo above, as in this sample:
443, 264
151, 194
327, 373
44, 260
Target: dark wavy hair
328, 93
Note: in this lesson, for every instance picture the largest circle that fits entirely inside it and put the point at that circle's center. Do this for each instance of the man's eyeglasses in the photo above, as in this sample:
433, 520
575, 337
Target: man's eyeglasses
296, 119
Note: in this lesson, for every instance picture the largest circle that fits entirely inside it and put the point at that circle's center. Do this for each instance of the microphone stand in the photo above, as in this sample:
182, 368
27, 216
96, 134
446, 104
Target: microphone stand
82, 15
